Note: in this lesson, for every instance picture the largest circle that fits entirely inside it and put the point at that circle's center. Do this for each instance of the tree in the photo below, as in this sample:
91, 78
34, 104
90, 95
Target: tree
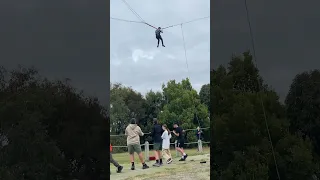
242, 147
205, 96
303, 106
183, 106
52, 135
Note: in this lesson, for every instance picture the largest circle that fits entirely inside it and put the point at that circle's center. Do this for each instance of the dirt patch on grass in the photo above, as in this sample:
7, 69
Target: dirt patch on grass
189, 170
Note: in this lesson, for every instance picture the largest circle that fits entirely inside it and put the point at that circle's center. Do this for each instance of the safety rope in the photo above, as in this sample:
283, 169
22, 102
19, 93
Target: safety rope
186, 57
187, 22
118, 19
133, 11
143, 21
260, 90
184, 46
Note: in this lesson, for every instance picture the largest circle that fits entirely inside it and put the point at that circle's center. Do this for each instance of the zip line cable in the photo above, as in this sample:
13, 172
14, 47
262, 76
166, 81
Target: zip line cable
143, 21
260, 89
186, 57
187, 22
134, 12
137, 15
124, 20
185, 50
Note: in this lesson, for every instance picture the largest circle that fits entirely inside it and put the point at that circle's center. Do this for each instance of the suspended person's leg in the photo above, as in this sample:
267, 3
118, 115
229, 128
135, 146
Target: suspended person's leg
116, 164
161, 41
158, 41
137, 149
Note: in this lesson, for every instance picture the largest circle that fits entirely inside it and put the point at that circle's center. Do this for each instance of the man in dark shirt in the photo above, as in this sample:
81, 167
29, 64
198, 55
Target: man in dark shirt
157, 141
178, 131
158, 36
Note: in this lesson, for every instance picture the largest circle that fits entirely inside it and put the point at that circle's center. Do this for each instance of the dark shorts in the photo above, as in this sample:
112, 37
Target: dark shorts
158, 37
180, 144
134, 148
157, 146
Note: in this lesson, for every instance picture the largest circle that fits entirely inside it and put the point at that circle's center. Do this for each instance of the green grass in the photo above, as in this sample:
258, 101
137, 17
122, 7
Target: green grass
123, 158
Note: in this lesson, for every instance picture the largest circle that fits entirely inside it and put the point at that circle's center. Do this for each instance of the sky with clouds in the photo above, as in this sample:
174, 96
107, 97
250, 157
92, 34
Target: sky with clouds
135, 59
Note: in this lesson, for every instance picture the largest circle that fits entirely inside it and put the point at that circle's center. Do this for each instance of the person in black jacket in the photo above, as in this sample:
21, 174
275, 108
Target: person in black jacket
157, 141
178, 131
158, 36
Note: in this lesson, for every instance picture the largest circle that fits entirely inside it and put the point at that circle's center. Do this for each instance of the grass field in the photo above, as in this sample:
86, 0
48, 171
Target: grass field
189, 169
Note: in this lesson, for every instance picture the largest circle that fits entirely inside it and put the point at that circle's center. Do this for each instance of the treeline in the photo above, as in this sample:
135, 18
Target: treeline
242, 150
49, 130
177, 102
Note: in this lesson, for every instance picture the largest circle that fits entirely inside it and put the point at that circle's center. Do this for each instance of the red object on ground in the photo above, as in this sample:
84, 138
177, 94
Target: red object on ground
110, 148
152, 158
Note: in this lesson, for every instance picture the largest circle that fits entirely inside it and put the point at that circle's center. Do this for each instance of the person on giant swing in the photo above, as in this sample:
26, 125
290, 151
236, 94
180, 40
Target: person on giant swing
158, 36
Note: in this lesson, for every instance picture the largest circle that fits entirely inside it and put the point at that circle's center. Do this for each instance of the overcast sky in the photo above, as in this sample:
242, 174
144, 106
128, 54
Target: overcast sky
61, 38
286, 34
134, 58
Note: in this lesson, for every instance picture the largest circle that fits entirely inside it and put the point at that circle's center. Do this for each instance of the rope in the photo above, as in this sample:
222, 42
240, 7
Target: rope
260, 89
124, 20
187, 22
137, 15
185, 54
150, 25
185, 50
134, 12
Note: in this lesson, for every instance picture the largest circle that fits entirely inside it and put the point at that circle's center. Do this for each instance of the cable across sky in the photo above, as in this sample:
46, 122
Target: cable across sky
142, 21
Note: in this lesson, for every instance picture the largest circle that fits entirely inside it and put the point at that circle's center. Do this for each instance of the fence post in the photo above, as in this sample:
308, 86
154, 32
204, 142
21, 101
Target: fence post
200, 145
175, 147
146, 151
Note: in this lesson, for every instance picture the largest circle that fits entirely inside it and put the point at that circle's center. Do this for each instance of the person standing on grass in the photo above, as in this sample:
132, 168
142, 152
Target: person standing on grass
157, 141
199, 134
178, 131
166, 135
133, 133
114, 162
